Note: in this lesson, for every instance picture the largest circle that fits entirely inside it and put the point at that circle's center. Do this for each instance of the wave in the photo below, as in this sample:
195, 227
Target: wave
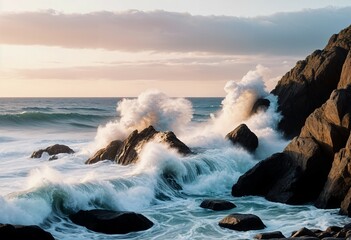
83, 109
39, 118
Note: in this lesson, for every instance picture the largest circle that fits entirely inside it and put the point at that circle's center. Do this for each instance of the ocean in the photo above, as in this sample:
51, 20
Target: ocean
44, 193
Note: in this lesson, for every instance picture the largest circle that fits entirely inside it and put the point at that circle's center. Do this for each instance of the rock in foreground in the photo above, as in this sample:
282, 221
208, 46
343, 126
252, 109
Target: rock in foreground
18, 232
111, 222
242, 222
243, 136
52, 150
217, 205
269, 235
127, 151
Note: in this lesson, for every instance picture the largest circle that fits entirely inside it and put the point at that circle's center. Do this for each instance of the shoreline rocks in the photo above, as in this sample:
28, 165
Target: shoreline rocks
243, 136
217, 205
20, 232
111, 222
242, 222
52, 150
127, 151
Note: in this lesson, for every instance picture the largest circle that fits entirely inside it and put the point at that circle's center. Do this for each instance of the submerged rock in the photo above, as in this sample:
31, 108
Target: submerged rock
243, 136
298, 174
111, 222
52, 150
127, 151
19, 232
308, 85
261, 104
242, 222
217, 205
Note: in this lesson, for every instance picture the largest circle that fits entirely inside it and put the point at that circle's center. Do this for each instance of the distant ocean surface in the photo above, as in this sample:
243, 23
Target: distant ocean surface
42, 192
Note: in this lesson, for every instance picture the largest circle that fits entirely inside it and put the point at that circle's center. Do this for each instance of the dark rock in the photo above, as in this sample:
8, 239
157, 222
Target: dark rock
324, 235
298, 175
345, 78
345, 208
269, 235
217, 205
308, 85
347, 226
52, 150
333, 229
18, 232
261, 104
243, 136
127, 152
54, 157
304, 232
111, 222
242, 222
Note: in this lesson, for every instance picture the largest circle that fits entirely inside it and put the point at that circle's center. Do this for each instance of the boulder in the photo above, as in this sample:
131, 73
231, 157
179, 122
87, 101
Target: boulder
243, 136
345, 78
52, 150
242, 222
308, 85
298, 175
261, 104
127, 151
304, 232
111, 222
217, 205
269, 235
18, 232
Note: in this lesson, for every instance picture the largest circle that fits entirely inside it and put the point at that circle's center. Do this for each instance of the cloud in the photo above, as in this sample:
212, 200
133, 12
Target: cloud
293, 33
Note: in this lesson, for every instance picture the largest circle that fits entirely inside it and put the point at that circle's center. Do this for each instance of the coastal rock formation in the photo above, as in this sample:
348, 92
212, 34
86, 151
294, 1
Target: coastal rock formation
111, 222
18, 232
243, 136
345, 78
298, 174
261, 104
308, 85
269, 235
217, 205
126, 152
52, 150
242, 222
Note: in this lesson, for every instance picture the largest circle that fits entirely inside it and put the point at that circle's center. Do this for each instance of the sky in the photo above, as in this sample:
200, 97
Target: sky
120, 48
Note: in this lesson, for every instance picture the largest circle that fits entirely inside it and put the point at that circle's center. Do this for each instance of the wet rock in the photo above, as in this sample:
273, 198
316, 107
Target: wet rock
243, 136
217, 205
242, 222
111, 222
309, 84
269, 235
304, 232
127, 151
261, 104
52, 150
18, 232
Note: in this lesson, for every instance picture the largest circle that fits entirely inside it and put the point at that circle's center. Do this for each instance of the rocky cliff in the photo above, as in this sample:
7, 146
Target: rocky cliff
315, 100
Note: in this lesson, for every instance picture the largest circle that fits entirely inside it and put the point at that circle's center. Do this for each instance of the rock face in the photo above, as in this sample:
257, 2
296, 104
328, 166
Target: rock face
217, 205
111, 222
52, 150
18, 232
242, 222
308, 85
126, 152
243, 136
345, 78
298, 174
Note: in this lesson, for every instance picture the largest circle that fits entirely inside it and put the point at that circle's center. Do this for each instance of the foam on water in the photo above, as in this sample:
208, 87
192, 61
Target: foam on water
163, 185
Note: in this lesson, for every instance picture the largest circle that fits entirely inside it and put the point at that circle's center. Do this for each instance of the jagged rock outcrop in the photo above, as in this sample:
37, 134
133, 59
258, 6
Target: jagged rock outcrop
298, 174
345, 78
243, 136
126, 152
339, 181
111, 222
19, 232
308, 85
242, 222
52, 150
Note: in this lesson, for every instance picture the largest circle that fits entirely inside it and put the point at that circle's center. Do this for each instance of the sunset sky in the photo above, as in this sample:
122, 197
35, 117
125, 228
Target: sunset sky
115, 48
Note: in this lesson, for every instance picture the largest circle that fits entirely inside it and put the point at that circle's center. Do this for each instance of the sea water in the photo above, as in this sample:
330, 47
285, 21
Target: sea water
44, 193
